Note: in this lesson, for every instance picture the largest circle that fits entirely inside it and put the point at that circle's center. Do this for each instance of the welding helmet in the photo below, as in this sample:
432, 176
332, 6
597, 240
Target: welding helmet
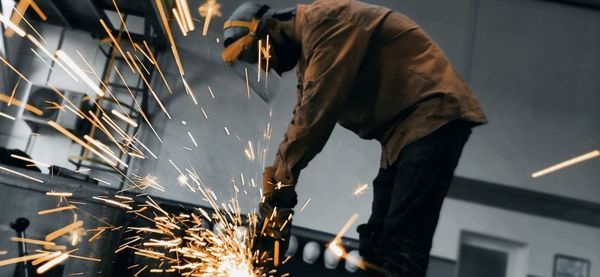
241, 31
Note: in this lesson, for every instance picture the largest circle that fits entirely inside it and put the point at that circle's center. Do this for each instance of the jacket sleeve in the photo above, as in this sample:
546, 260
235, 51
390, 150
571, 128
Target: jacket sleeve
334, 51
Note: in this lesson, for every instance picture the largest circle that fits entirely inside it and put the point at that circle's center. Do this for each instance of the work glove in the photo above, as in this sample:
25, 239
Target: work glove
274, 221
368, 237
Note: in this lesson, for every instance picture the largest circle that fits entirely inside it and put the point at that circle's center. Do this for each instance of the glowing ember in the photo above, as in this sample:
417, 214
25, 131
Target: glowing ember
182, 241
360, 189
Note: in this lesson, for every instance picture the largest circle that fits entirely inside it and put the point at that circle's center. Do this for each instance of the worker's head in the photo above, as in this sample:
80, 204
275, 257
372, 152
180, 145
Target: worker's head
252, 22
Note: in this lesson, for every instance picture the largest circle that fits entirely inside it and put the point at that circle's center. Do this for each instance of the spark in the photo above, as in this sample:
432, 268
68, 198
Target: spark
142, 64
204, 113
346, 226
59, 194
66, 99
12, 27
166, 25
43, 259
337, 249
140, 271
123, 21
182, 27
97, 235
116, 44
29, 160
64, 230
102, 181
155, 62
139, 106
250, 152
80, 142
21, 174
57, 61
178, 11
305, 204
187, 16
33, 241
62, 55
247, 82
85, 258
28, 24
7, 116
52, 263
192, 138
55, 210
105, 149
127, 119
182, 179
207, 10
197, 251
139, 48
146, 182
39, 11
73, 111
259, 58
266, 53
22, 259
14, 69
211, 93
91, 69
42, 59
268, 57
227, 131
177, 168
13, 92
360, 189
150, 88
189, 91
567, 163
113, 202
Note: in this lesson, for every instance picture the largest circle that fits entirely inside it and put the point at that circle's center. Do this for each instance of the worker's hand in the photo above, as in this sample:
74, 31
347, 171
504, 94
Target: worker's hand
276, 193
272, 234
274, 222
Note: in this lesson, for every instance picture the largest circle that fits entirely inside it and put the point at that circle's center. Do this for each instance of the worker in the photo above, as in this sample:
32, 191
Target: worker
375, 72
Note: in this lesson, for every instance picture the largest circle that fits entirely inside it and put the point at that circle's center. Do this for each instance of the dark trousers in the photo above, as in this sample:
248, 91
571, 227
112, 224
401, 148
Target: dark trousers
407, 198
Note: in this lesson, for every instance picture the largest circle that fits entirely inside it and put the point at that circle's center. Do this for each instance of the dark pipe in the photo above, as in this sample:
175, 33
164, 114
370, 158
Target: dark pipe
23, 269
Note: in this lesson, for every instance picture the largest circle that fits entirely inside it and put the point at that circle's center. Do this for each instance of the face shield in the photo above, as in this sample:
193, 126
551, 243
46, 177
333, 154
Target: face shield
249, 58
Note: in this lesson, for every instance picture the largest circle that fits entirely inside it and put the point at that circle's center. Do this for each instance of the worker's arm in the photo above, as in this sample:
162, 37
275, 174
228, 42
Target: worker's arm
335, 51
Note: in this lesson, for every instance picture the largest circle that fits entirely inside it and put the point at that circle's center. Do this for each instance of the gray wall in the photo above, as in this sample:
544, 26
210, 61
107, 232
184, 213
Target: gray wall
535, 66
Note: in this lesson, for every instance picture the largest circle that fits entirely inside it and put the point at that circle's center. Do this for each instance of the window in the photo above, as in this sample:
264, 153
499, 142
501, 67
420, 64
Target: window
482, 255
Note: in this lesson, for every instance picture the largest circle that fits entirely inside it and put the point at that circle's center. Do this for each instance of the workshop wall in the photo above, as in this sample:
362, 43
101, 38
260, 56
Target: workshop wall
540, 238
534, 67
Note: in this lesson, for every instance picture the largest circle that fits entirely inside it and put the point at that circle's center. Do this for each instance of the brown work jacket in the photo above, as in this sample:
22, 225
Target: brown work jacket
375, 72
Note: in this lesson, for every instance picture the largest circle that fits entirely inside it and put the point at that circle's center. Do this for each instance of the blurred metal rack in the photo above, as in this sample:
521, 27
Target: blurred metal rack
128, 93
